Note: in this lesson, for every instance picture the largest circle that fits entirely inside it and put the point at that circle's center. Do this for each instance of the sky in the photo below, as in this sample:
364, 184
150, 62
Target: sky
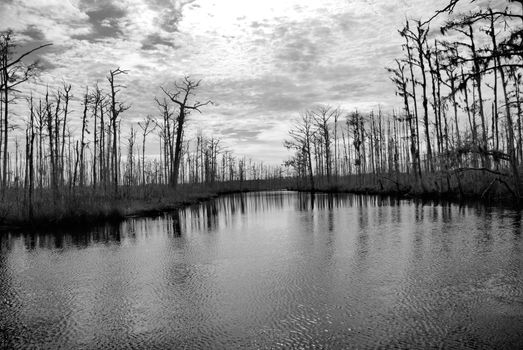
260, 62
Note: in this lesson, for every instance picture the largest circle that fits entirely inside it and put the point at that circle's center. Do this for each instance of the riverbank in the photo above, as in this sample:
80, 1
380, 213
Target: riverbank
483, 187
89, 206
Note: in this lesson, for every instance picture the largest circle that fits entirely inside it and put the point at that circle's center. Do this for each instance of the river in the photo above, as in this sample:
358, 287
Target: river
271, 270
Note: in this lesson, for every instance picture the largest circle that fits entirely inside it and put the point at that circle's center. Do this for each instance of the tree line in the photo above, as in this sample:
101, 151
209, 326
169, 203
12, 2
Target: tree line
53, 160
460, 87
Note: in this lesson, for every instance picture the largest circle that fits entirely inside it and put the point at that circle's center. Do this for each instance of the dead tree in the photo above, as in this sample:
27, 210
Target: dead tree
165, 133
29, 177
67, 96
180, 96
301, 138
82, 139
116, 109
322, 116
13, 72
419, 38
96, 99
147, 127
400, 80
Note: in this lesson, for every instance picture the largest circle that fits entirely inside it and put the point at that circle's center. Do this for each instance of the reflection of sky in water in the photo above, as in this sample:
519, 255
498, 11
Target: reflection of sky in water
261, 269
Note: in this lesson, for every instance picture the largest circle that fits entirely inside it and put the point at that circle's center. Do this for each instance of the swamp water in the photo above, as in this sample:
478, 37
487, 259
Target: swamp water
271, 270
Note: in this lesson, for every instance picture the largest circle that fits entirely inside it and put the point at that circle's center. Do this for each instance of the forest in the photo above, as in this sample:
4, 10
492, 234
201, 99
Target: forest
56, 175
459, 131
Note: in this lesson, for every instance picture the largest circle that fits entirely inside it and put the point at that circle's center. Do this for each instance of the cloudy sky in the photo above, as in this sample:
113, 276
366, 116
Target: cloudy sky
260, 61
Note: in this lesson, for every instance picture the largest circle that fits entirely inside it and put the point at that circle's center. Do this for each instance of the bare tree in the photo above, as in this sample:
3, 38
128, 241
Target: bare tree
400, 79
301, 136
183, 92
147, 127
13, 72
116, 109
322, 116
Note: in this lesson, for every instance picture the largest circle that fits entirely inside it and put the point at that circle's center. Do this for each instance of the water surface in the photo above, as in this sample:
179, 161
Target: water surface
271, 270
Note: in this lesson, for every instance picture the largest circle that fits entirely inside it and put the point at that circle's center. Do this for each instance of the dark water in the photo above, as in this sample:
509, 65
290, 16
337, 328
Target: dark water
268, 271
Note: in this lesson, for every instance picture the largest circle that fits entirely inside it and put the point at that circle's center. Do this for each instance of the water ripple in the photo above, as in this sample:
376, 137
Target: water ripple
271, 271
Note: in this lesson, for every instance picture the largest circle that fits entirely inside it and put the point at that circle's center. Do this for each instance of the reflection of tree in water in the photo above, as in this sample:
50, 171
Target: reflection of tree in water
226, 210
305, 201
177, 227
211, 214
446, 213
202, 217
322, 201
242, 204
64, 238
516, 223
223, 211
5, 242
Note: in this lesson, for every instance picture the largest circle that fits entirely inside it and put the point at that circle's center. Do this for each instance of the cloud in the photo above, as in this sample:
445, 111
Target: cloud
46, 65
34, 33
240, 133
153, 40
169, 13
104, 20
266, 95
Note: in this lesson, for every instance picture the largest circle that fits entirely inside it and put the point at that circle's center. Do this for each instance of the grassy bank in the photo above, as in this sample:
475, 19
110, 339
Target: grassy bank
92, 206
87, 206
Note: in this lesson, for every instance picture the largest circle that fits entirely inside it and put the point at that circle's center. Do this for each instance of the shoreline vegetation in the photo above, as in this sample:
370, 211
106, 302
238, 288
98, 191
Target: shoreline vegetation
74, 155
88, 207
476, 188
459, 132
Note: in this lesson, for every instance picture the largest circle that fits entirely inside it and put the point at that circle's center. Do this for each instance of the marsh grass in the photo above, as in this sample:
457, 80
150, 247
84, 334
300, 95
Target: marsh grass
89, 205
468, 185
